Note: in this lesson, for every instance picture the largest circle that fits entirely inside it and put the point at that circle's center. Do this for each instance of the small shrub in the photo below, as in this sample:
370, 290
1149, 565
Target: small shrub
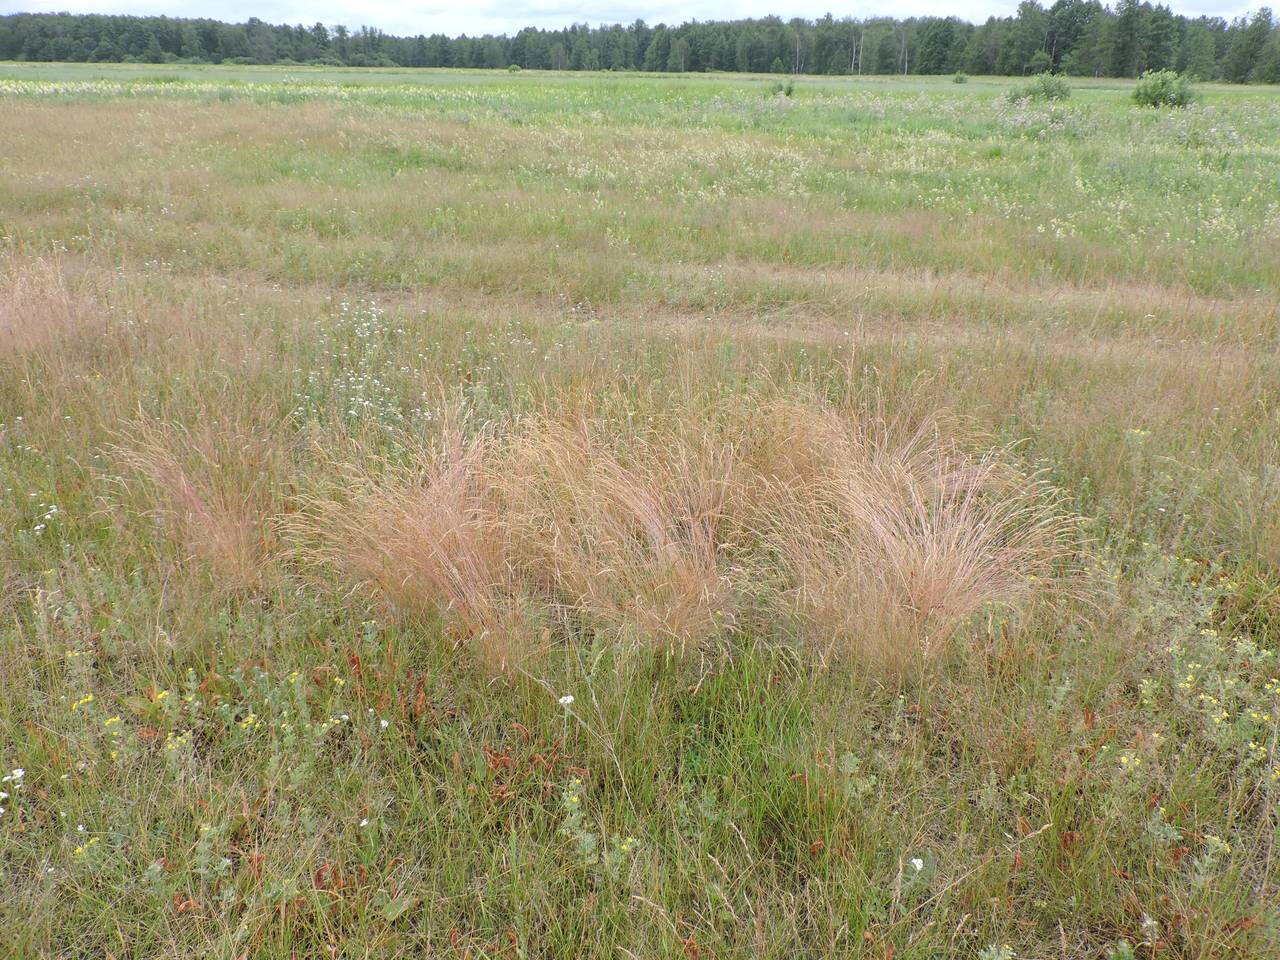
1043, 86
783, 88
1164, 88
960, 77
513, 68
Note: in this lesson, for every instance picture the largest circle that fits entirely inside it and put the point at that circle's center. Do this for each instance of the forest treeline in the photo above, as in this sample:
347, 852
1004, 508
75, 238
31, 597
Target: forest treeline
1079, 37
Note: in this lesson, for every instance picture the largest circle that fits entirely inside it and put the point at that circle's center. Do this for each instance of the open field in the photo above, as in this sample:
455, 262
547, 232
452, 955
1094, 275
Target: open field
889, 473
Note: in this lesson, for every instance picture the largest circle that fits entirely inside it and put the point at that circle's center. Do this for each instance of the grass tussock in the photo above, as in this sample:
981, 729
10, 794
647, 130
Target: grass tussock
878, 543
427, 538
626, 532
890, 536
211, 486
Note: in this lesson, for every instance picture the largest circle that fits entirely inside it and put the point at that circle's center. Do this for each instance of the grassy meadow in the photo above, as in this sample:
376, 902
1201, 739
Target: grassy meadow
489, 515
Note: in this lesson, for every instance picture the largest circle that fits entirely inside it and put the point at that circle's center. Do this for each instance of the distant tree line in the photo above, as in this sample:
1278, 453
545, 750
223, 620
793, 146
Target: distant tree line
1080, 37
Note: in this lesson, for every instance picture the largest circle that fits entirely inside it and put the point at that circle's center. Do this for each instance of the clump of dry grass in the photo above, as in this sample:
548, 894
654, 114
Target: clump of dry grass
37, 309
211, 485
504, 534
879, 538
889, 536
628, 535
428, 538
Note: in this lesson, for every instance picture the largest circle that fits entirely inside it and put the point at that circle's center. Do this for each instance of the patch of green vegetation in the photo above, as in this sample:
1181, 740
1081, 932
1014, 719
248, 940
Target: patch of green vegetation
1164, 88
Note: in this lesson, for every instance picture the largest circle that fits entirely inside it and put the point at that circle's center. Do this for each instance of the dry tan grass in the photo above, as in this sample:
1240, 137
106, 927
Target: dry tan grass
212, 486
502, 534
627, 534
38, 309
428, 539
890, 535
881, 538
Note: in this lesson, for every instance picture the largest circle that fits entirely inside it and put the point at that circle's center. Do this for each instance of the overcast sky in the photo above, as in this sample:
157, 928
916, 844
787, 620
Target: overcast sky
490, 16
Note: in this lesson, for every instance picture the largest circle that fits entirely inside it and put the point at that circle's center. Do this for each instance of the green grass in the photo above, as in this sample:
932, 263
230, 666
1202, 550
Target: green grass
278, 276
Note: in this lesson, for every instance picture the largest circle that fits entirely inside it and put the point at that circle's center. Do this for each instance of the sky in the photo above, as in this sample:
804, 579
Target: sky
508, 16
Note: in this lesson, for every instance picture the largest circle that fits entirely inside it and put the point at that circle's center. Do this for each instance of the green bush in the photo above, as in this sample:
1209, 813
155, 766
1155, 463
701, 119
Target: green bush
1043, 86
960, 77
1164, 88
513, 68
